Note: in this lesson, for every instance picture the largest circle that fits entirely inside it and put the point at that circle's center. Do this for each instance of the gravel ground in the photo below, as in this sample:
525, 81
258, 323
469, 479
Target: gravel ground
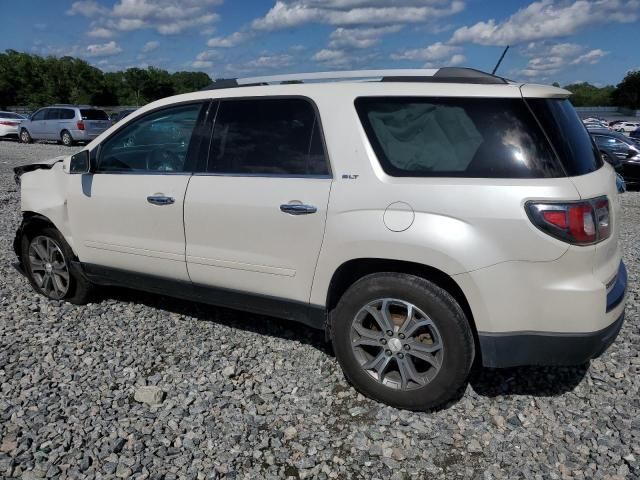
244, 396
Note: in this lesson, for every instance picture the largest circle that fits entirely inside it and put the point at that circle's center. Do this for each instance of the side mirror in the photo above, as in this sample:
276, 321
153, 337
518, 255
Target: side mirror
80, 162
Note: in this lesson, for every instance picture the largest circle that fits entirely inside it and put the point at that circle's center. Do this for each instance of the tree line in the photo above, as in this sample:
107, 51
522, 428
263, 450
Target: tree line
625, 94
33, 81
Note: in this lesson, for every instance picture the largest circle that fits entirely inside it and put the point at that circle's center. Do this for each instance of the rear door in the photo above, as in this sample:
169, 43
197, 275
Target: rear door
52, 119
254, 220
95, 121
128, 215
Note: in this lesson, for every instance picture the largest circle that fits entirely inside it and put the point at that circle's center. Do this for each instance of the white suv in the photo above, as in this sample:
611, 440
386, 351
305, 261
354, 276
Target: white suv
425, 219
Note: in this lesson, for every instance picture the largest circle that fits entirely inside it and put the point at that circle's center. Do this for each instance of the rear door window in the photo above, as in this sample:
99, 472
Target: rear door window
273, 136
39, 115
456, 137
52, 114
93, 114
568, 135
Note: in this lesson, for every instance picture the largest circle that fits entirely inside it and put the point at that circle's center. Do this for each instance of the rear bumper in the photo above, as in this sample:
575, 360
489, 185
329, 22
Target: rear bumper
83, 135
511, 349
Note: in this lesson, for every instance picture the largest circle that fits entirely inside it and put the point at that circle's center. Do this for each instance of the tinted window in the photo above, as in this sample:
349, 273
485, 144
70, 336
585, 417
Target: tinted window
10, 115
39, 115
67, 114
568, 135
93, 114
156, 142
456, 137
608, 141
52, 114
267, 136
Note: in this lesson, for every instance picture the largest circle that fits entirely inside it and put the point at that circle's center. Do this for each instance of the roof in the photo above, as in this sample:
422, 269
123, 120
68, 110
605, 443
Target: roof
439, 75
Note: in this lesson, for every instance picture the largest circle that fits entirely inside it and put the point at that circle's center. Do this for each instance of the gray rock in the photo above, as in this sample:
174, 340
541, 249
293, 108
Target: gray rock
151, 395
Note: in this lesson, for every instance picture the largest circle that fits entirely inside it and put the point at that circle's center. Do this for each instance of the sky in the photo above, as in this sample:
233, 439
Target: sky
566, 41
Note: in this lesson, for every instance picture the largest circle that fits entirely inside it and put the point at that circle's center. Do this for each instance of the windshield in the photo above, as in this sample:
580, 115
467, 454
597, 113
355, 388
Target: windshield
93, 114
569, 137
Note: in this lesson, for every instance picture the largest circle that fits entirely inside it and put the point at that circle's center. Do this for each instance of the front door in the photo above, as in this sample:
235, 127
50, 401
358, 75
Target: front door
254, 221
129, 213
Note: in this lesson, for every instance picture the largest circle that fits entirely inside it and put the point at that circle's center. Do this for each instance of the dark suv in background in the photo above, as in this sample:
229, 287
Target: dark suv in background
65, 123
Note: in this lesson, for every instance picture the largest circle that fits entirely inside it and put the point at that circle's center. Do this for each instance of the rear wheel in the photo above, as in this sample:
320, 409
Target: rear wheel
25, 137
46, 258
402, 340
67, 139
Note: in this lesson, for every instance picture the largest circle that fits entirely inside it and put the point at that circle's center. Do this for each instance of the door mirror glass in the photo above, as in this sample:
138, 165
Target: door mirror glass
80, 162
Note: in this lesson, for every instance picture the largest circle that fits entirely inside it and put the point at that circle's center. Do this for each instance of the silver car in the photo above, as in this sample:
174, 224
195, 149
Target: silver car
65, 123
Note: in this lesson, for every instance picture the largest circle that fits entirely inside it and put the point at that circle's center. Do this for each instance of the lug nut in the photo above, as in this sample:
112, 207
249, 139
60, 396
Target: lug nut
383, 341
401, 355
390, 332
407, 347
388, 352
401, 335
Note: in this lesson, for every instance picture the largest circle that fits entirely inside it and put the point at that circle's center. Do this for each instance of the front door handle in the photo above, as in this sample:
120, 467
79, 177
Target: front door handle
160, 200
298, 209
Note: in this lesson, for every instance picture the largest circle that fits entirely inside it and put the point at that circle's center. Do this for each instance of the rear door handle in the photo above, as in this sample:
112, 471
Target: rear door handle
297, 209
160, 200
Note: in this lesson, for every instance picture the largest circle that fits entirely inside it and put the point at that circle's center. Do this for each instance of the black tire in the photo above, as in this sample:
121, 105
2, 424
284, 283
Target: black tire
66, 138
78, 290
25, 136
456, 338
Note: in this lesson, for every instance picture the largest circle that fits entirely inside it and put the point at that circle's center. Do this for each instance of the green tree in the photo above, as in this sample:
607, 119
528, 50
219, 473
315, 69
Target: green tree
627, 93
587, 95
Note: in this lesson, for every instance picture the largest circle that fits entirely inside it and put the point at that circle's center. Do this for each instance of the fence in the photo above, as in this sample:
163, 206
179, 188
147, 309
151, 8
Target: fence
607, 111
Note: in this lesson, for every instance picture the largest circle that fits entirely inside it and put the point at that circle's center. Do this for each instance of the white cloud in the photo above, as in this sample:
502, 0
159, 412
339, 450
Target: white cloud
436, 51
292, 13
546, 59
150, 46
202, 64
87, 8
457, 59
334, 58
360, 37
166, 17
229, 41
270, 61
103, 50
100, 32
547, 19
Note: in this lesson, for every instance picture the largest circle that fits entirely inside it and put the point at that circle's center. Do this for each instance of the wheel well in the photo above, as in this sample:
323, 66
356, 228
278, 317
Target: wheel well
31, 222
350, 272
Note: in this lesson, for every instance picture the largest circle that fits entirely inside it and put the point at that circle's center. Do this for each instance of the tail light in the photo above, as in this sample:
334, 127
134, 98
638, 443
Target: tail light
80, 125
579, 223
9, 124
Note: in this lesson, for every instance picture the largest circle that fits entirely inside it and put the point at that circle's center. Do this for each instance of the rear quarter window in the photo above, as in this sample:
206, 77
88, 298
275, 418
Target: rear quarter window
570, 138
456, 137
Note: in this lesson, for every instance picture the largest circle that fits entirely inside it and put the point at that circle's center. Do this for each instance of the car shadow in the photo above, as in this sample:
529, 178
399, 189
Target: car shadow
529, 380
250, 322
486, 382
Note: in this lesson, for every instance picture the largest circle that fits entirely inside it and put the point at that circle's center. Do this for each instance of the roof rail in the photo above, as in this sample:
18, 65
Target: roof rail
441, 75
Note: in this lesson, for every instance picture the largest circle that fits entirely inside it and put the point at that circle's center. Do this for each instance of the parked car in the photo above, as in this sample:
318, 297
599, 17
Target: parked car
595, 123
119, 115
621, 152
626, 127
9, 122
425, 221
67, 124
635, 135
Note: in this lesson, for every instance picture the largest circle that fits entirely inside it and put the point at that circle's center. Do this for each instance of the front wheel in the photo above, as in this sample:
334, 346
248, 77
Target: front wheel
25, 137
402, 340
46, 258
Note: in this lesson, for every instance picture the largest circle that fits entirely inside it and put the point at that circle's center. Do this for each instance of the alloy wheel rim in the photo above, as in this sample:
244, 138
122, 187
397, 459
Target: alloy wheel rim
25, 136
66, 139
397, 344
48, 267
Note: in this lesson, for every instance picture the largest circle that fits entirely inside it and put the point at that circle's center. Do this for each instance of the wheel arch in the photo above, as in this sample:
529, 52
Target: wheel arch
353, 270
